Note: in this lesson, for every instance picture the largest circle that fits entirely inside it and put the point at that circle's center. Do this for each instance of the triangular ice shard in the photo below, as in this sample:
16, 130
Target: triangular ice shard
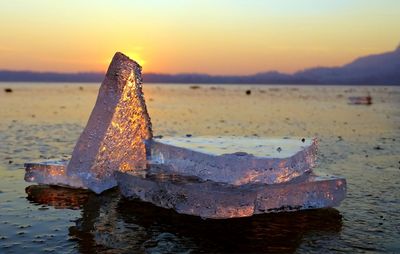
118, 125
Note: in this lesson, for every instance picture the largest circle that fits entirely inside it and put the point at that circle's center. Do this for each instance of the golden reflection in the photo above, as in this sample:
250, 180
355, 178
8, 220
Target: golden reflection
122, 226
58, 197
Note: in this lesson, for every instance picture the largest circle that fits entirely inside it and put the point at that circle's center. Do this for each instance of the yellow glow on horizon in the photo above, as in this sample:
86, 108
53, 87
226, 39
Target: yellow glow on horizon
175, 36
135, 56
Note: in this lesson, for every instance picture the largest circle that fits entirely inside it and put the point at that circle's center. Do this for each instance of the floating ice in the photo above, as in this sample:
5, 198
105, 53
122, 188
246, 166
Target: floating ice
212, 177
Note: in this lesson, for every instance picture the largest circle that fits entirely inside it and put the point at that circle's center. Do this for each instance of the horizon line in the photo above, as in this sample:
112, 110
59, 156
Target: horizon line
201, 73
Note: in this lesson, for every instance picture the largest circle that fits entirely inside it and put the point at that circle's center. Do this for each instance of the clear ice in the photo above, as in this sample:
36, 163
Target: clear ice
236, 160
211, 177
113, 139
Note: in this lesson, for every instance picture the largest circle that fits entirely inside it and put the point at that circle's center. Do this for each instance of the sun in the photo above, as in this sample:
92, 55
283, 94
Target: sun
136, 57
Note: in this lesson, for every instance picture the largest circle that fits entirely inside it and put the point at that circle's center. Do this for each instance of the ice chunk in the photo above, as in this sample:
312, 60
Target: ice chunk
51, 172
211, 177
118, 125
226, 177
209, 199
113, 138
236, 160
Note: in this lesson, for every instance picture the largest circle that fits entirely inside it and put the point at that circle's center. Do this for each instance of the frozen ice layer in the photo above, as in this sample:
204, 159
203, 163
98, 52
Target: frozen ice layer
230, 160
257, 146
208, 199
51, 172
226, 177
236, 160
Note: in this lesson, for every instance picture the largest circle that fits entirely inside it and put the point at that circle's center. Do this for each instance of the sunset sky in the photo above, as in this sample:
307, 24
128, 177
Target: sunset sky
187, 36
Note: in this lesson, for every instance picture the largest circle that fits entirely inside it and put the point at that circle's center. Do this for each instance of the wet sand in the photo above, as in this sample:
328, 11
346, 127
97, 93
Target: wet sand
360, 143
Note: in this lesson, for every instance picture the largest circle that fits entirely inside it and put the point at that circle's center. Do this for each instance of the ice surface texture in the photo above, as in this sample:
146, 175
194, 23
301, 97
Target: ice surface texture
236, 160
118, 125
209, 199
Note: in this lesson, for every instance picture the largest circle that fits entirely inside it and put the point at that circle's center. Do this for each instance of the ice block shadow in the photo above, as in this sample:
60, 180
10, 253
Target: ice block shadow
112, 223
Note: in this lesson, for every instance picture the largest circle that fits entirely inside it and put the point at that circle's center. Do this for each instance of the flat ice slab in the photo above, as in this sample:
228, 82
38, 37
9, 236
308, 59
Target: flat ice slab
51, 172
229, 160
256, 146
208, 199
235, 160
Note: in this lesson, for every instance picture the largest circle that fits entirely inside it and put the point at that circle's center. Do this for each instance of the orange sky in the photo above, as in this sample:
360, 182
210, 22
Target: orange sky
207, 36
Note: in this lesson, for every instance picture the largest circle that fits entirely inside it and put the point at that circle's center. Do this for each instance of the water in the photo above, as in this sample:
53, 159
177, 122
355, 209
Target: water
360, 143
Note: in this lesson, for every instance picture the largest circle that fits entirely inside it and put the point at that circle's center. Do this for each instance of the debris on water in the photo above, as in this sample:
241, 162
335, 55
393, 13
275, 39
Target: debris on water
378, 147
188, 135
8, 90
10, 161
360, 100
248, 92
279, 149
303, 140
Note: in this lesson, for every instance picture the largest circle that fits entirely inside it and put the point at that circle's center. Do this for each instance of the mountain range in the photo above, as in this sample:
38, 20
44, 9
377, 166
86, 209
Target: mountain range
379, 69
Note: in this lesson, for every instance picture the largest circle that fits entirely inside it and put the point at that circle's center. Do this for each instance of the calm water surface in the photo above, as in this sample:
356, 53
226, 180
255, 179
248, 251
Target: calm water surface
360, 143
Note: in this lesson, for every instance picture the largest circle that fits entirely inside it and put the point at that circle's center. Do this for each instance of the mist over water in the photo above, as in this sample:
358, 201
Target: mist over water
360, 143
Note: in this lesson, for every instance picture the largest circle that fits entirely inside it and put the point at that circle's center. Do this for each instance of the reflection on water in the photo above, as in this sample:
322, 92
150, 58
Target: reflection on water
110, 223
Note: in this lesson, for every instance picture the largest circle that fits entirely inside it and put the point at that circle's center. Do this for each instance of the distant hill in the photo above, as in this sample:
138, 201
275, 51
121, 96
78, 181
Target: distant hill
380, 69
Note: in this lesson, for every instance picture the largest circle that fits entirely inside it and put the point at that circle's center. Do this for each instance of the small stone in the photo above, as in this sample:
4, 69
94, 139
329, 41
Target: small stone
8, 90
248, 92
